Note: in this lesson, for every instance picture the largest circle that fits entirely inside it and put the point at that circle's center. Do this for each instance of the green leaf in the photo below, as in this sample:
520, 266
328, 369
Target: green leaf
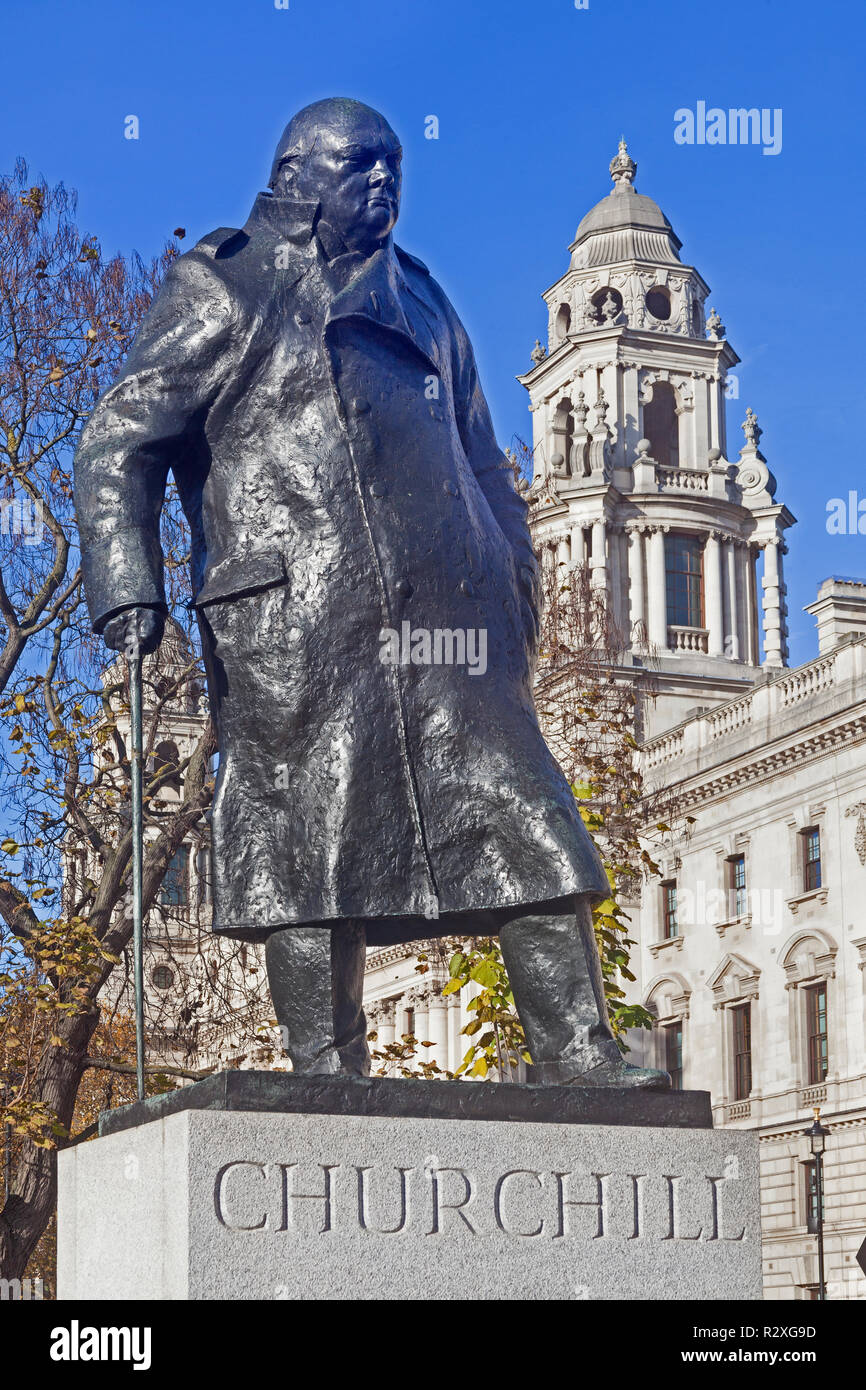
485, 974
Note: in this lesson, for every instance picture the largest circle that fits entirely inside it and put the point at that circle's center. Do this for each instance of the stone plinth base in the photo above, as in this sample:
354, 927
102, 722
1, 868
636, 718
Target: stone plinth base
229, 1202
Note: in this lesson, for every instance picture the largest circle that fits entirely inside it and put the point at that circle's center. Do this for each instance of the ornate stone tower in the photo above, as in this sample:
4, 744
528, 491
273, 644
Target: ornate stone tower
630, 467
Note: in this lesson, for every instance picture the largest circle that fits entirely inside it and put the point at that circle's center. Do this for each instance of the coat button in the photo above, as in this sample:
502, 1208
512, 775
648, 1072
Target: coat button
360, 406
449, 487
379, 489
403, 588
302, 318
466, 588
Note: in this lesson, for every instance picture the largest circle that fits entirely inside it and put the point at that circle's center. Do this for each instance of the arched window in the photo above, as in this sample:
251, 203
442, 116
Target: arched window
661, 425
809, 962
166, 761
563, 321
668, 1001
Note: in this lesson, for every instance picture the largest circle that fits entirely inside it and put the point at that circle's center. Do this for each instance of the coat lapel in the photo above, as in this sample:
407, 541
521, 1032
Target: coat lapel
378, 293
284, 226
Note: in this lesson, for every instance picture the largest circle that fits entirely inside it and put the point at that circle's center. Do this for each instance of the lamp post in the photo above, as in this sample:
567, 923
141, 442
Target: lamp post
817, 1135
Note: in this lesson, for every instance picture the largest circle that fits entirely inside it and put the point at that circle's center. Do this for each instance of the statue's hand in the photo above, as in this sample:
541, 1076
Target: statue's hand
135, 631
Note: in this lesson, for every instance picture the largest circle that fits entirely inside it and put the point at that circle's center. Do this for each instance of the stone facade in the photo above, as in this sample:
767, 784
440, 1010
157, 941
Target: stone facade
752, 949
767, 934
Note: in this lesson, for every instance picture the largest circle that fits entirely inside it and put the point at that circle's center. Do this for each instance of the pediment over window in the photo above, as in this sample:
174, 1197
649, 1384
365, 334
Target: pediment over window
733, 980
810, 955
668, 997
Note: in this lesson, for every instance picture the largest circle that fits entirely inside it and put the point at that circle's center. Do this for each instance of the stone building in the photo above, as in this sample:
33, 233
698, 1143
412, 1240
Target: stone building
630, 467
752, 947
753, 944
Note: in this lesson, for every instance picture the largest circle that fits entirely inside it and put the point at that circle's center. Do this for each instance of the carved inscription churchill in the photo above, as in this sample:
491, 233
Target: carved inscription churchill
314, 1199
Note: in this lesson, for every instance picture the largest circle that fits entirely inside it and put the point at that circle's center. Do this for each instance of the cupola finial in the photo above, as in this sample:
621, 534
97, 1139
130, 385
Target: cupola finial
622, 167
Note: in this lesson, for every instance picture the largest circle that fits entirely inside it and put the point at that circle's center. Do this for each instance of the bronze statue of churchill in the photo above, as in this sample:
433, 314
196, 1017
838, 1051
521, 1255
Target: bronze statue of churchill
315, 395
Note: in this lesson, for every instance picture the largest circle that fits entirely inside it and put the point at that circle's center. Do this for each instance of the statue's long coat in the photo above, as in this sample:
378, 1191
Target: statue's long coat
335, 456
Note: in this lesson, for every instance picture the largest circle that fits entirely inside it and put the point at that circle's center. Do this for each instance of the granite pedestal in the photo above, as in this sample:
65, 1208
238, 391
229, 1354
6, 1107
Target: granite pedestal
269, 1186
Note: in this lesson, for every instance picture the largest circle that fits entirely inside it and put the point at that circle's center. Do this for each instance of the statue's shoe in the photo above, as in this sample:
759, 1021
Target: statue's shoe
614, 1073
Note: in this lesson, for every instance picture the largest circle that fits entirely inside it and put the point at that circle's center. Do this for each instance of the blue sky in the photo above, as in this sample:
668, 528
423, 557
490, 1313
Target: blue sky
531, 98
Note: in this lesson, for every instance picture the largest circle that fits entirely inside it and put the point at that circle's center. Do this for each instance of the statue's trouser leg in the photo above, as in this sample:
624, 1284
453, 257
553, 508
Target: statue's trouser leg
316, 978
552, 962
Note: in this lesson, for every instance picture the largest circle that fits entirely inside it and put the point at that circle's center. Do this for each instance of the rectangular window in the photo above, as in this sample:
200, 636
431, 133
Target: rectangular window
670, 925
174, 891
410, 1022
811, 840
684, 583
742, 1021
674, 1054
816, 1032
737, 895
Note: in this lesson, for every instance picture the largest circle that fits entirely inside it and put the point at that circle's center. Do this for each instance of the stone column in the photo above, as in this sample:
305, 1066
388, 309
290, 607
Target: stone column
438, 1035
636, 587
656, 599
609, 381
457, 1044
703, 439
599, 554
419, 1000
732, 648
630, 418
717, 418
751, 606
548, 556
563, 556
685, 435
775, 634
616, 577
713, 593
578, 545
742, 559
387, 1021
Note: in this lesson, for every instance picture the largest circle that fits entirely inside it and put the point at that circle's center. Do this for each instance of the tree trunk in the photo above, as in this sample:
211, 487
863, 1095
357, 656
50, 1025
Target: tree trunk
30, 1203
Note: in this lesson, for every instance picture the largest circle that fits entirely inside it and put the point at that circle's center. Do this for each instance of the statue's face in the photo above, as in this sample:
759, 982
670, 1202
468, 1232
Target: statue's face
354, 173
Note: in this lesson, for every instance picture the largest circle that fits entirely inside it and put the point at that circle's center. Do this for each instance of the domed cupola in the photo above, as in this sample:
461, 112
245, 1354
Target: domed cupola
624, 226
629, 452
626, 269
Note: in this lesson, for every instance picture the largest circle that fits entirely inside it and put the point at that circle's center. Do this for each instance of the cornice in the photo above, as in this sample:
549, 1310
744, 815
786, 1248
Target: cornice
765, 766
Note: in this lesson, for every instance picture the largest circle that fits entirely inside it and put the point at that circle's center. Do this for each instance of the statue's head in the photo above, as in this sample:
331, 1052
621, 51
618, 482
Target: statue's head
345, 156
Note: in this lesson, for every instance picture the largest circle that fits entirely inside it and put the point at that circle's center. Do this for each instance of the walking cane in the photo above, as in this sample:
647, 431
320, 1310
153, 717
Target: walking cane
133, 656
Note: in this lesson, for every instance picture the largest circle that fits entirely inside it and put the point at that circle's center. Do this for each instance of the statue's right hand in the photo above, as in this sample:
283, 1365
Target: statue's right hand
135, 631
